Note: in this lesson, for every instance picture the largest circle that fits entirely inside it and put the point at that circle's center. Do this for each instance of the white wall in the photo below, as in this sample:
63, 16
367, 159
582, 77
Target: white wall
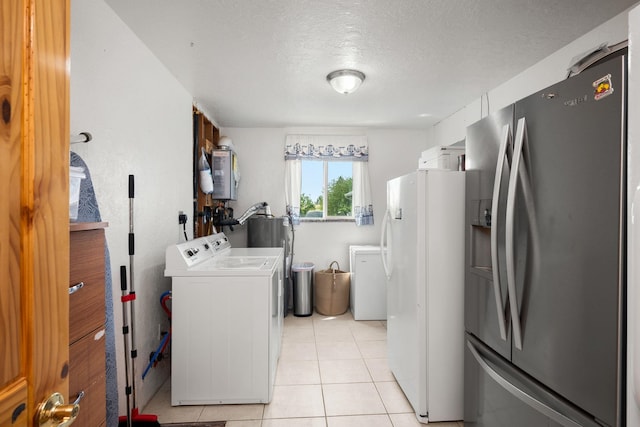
545, 73
392, 152
140, 118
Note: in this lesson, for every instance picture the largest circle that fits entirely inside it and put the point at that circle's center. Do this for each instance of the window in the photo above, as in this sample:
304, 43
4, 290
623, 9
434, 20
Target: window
330, 181
327, 176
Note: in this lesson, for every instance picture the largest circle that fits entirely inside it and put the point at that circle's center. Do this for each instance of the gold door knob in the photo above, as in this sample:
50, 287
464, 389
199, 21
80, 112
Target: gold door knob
54, 413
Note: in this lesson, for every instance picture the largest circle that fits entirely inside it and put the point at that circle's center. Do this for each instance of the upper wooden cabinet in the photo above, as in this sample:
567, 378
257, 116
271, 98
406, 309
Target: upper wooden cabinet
205, 136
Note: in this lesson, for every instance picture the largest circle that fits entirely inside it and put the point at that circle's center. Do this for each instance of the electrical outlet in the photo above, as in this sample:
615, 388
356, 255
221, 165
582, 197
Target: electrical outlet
182, 218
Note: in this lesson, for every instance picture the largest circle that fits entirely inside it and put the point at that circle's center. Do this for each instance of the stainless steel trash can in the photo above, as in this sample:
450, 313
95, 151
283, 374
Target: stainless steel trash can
302, 289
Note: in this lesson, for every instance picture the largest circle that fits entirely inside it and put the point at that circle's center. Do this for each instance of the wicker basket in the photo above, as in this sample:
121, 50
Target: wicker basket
331, 290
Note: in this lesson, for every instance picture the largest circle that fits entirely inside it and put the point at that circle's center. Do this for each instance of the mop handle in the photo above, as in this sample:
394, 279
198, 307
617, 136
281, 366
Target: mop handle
131, 238
132, 245
131, 186
132, 291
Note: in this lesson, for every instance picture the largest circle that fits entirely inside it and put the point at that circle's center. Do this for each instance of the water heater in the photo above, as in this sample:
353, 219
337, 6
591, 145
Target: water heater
225, 166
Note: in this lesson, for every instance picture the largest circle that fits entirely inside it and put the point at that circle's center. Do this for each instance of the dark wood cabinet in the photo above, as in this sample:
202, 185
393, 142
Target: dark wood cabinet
206, 137
87, 322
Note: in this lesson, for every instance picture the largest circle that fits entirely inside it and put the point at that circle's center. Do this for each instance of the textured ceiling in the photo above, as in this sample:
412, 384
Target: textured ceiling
263, 63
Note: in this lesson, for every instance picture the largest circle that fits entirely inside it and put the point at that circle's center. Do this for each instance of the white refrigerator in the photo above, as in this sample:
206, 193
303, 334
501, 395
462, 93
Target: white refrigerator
422, 247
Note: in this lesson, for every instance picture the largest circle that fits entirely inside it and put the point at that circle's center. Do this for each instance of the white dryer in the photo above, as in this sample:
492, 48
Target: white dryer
368, 283
226, 321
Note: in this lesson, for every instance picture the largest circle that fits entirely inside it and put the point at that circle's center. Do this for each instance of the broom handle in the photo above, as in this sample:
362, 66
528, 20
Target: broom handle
125, 333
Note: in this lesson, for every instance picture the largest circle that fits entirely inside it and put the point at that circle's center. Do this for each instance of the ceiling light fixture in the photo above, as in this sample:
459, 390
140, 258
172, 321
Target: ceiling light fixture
345, 81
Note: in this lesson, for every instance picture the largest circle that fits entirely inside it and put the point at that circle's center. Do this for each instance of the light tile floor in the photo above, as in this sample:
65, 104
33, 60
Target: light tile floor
332, 372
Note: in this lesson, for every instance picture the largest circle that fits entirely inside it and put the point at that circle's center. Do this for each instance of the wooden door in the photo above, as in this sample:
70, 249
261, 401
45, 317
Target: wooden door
34, 220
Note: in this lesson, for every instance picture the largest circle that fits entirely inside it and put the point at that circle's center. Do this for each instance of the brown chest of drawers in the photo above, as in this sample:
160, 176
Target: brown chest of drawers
87, 322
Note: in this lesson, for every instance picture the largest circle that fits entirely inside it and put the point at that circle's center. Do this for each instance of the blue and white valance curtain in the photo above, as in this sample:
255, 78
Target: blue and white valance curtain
353, 148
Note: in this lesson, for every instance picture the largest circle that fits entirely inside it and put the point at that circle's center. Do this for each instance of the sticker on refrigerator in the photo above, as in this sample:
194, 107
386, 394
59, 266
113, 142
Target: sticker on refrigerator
603, 87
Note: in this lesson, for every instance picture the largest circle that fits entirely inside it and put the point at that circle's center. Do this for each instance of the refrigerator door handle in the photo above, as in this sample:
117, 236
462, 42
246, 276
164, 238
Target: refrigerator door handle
519, 172
385, 251
516, 165
497, 289
521, 394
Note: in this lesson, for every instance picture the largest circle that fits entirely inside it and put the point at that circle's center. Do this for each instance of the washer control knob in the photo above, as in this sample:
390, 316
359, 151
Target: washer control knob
191, 252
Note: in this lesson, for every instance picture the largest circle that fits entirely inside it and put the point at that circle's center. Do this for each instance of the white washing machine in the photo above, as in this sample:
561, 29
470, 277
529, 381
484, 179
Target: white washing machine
226, 321
368, 283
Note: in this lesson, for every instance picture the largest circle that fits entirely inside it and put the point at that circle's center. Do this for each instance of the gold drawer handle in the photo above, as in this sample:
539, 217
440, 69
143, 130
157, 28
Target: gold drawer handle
76, 288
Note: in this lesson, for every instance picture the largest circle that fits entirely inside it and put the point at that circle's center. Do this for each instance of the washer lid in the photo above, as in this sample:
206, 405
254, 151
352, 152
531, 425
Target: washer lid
243, 263
229, 266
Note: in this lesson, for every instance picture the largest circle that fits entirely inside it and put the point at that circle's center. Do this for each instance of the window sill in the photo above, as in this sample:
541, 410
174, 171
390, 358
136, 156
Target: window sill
312, 220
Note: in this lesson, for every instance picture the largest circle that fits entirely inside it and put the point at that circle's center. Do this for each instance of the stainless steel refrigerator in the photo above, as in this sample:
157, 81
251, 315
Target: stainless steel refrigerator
545, 258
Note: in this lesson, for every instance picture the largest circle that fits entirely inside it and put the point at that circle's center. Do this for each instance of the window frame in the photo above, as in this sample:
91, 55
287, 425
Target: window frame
352, 148
325, 185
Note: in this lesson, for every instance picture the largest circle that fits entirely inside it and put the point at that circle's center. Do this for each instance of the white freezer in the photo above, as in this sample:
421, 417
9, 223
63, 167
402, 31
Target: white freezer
423, 246
368, 291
